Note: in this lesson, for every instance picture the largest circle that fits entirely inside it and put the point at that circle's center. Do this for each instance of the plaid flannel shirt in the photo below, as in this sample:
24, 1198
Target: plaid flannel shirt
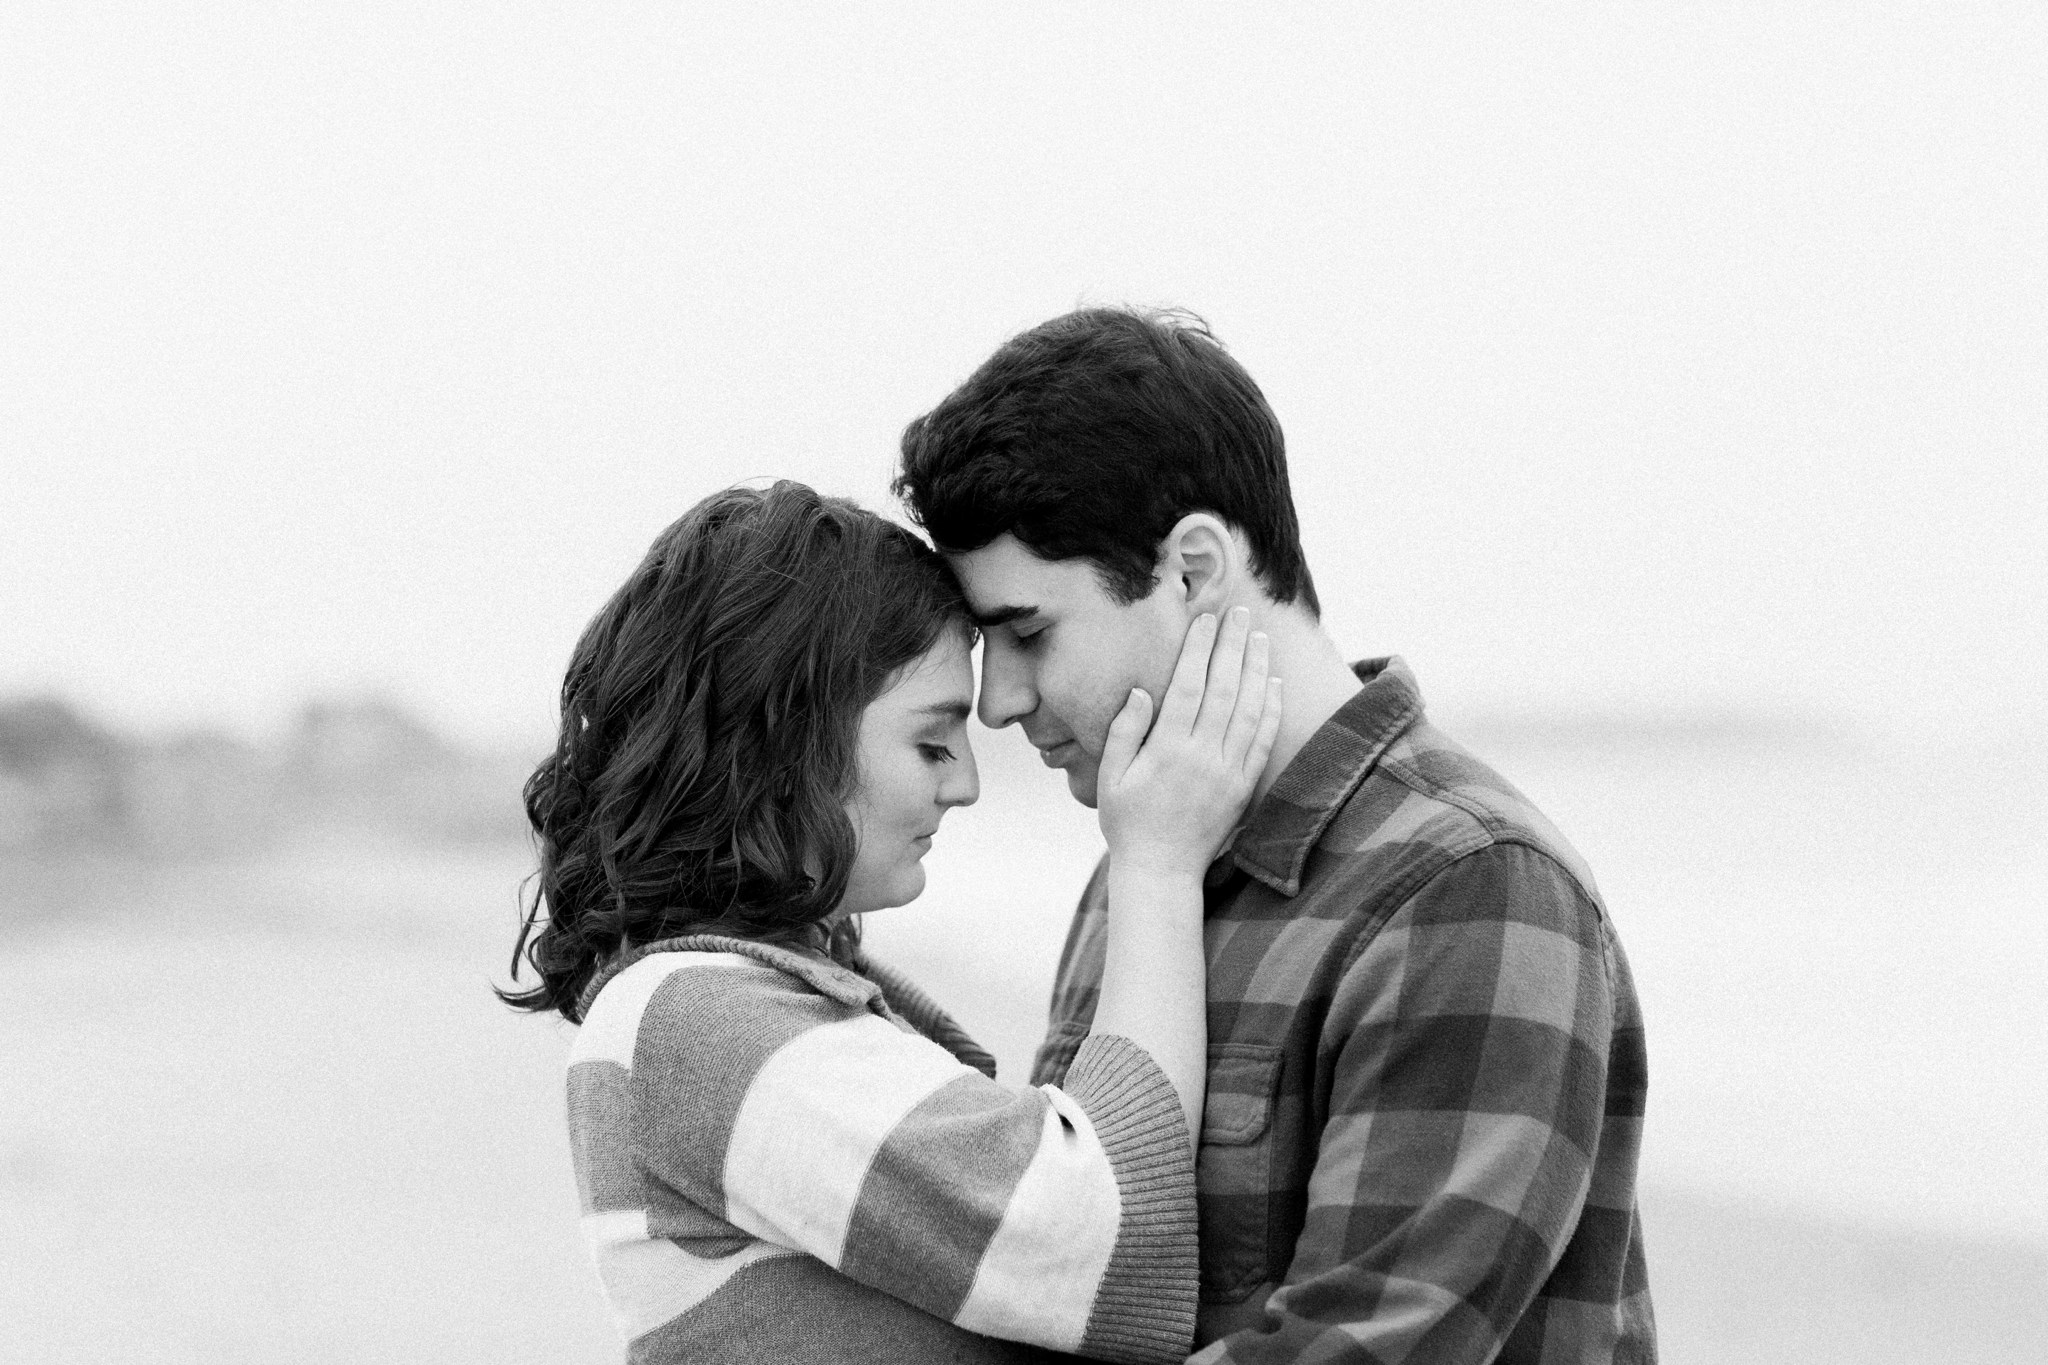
1426, 1067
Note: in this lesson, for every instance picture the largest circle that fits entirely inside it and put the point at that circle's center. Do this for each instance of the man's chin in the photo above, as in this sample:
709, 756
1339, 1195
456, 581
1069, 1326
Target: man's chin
1081, 783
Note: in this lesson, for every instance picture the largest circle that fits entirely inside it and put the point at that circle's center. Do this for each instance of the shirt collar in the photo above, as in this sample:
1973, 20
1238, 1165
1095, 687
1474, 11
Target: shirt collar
1321, 778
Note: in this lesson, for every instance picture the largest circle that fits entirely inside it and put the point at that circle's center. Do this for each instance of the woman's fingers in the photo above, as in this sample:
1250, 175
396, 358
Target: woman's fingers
1226, 666
1269, 731
1251, 700
1183, 703
1220, 695
1126, 734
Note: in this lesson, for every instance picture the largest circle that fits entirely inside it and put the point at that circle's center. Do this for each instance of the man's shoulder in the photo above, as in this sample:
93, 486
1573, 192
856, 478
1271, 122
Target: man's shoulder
1429, 803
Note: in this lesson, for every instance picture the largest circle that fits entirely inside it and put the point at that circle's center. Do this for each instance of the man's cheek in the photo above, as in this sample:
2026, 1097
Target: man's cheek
1075, 719
1094, 735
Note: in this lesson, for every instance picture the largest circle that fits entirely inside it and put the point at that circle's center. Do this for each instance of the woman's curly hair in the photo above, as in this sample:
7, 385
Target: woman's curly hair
710, 719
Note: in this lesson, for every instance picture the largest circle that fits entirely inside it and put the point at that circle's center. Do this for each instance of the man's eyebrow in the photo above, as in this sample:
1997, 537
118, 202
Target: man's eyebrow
1000, 616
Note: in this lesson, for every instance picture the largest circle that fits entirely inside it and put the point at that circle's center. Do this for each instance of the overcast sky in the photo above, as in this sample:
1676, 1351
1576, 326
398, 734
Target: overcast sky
1630, 355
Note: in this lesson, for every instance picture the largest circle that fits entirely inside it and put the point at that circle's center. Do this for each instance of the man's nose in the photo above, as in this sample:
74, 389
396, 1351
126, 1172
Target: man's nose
1006, 693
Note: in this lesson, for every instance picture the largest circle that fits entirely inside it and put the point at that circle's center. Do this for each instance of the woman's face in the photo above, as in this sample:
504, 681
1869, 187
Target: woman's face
913, 765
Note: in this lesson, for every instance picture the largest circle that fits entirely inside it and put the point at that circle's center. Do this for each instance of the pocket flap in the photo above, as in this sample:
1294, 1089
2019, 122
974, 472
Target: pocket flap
1242, 1081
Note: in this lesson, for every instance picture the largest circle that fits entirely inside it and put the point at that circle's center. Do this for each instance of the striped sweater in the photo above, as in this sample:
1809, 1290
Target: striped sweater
775, 1163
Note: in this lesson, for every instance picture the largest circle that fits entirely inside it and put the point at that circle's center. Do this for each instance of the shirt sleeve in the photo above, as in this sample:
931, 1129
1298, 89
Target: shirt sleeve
1058, 1216
1469, 1050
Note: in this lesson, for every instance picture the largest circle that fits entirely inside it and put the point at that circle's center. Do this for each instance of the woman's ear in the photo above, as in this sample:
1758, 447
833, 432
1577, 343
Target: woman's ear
1202, 560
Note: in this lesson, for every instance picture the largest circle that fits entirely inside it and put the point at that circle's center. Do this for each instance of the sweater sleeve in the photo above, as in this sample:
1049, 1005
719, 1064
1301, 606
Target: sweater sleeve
1063, 1217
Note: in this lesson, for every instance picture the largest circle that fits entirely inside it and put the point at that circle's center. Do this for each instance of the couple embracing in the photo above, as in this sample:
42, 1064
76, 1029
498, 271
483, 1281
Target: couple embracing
1344, 1060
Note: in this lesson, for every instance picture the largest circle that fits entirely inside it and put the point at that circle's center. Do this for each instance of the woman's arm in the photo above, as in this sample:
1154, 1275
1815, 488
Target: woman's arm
760, 1108
1166, 806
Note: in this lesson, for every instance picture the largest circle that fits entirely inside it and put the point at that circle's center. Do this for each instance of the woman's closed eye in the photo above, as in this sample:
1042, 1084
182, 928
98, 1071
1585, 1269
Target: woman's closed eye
936, 753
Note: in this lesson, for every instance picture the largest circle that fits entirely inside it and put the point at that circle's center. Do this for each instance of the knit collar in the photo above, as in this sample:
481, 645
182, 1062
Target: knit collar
819, 972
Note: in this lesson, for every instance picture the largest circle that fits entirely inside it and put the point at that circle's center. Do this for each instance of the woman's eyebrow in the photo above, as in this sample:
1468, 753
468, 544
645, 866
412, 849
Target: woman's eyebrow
951, 710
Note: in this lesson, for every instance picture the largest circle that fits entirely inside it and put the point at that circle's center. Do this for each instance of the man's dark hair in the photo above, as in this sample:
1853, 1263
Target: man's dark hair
709, 732
1089, 436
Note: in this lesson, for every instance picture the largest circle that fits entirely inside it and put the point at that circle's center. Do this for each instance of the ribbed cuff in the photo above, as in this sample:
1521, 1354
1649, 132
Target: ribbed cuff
1145, 1308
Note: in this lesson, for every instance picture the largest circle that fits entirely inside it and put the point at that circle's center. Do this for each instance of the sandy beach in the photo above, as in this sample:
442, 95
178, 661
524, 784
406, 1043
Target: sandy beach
273, 1111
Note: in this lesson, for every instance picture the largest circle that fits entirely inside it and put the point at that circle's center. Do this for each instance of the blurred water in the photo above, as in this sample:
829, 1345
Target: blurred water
266, 1108
1842, 955
265, 1112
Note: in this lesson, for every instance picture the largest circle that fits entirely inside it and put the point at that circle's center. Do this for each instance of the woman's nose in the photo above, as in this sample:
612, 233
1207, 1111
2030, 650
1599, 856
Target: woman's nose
962, 786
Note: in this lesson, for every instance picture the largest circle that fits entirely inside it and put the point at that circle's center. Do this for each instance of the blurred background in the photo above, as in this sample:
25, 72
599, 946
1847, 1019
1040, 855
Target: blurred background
1663, 382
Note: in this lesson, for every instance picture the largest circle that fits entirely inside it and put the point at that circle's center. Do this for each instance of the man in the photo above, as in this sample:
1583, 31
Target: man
1426, 1065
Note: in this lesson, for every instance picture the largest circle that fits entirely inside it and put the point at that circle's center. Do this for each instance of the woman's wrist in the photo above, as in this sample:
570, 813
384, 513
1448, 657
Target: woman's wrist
1164, 878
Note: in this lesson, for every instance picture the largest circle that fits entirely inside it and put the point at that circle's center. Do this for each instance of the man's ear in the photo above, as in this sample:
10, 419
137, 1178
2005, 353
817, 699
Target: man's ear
1202, 560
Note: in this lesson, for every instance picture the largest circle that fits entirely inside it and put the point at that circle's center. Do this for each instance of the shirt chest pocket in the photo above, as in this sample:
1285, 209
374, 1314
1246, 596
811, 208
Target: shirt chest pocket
1234, 1170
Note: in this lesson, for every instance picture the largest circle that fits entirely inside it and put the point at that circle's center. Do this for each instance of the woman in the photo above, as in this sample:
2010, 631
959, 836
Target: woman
784, 1151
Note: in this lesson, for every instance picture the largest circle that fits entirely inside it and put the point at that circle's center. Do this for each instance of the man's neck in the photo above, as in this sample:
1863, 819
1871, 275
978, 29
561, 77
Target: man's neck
1315, 678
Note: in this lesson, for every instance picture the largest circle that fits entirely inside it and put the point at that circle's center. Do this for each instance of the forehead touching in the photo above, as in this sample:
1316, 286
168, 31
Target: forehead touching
1005, 582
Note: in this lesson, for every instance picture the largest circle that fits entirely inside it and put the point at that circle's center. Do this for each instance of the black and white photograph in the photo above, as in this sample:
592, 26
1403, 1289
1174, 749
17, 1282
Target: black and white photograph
712, 684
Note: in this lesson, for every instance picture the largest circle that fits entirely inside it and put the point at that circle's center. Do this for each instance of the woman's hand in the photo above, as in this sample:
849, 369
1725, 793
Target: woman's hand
1168, 800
